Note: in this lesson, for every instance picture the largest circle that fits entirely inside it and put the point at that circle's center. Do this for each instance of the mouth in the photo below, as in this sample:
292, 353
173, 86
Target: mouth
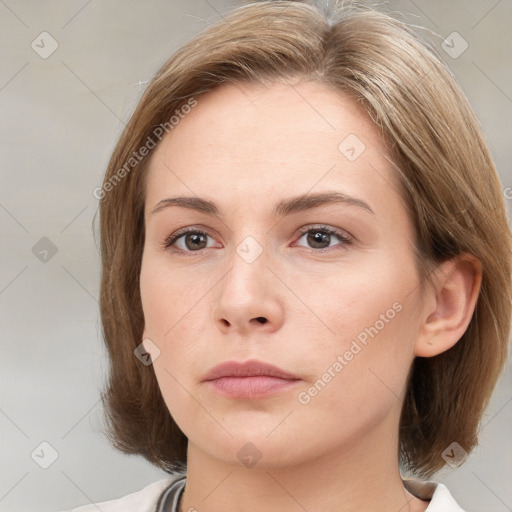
250, 379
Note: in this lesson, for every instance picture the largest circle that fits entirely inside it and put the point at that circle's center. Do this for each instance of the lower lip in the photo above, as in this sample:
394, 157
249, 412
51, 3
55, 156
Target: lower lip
251, 387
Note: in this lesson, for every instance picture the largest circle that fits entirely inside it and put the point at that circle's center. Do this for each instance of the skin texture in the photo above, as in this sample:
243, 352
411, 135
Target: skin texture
247, 148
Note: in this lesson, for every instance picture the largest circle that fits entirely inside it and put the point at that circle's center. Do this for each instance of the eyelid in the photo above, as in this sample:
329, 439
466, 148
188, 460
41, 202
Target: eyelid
323, 227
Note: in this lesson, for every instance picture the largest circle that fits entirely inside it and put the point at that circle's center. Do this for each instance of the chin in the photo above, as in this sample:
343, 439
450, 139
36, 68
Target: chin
251, 446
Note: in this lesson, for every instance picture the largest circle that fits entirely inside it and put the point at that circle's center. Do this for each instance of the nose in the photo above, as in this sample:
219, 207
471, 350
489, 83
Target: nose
249, 298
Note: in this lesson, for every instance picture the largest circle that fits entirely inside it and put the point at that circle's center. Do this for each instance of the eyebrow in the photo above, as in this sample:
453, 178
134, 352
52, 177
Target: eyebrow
284, 207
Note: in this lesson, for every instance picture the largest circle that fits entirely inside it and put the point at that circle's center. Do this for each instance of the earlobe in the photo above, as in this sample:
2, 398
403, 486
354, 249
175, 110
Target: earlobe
458, 282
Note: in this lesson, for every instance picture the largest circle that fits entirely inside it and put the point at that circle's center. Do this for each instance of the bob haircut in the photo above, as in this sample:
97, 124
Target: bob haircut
449, 185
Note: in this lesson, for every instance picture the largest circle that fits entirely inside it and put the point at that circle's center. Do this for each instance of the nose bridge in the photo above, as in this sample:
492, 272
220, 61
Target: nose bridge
245, 280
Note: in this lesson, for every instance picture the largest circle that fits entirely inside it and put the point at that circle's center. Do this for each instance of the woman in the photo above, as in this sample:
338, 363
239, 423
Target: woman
306, 269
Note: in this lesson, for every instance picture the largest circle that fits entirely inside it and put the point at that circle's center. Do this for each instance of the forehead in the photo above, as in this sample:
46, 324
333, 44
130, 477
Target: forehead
267, 141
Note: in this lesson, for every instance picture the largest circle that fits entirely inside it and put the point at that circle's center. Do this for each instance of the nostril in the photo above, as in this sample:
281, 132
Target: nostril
261, 320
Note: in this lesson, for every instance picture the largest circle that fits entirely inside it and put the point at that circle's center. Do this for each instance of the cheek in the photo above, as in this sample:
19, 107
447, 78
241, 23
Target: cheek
167, 300
366, 353
358, 384
351, 301
178, 397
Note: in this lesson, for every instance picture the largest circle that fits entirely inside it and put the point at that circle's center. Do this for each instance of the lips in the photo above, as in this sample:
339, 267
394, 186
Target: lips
251, 368
249, 380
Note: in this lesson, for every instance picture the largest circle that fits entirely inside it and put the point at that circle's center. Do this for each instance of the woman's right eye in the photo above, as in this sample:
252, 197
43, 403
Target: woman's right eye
190, 240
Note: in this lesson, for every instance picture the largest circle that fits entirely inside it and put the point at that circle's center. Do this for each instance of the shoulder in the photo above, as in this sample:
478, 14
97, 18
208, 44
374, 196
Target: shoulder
143, 500
440, 497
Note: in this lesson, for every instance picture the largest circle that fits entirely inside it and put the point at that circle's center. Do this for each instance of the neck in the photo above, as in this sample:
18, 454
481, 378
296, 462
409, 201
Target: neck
353, 478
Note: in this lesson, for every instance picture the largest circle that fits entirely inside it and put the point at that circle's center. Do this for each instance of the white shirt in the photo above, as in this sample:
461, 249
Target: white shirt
146, 499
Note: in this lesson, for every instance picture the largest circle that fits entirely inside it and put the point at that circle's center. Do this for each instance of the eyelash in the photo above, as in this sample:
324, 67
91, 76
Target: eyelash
344, 238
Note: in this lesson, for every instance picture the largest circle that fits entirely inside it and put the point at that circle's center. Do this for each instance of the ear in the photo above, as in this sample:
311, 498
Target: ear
450, 305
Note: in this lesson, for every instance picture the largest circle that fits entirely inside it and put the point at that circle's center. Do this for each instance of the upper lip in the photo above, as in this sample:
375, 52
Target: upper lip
252, 368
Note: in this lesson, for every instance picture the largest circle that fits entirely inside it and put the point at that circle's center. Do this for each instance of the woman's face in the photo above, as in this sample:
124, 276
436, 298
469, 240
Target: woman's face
300, 256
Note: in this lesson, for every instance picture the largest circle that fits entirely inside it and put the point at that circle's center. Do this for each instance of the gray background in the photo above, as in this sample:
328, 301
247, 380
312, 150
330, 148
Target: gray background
61, 117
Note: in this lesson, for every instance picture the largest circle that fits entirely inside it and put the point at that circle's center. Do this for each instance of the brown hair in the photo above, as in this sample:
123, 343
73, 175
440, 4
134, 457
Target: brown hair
450, 184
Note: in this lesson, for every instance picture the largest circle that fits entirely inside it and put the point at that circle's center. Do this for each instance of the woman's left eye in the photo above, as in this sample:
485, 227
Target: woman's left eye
322, 237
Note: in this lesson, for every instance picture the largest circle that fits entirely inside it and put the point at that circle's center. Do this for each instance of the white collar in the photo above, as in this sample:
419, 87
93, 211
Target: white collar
438, 494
